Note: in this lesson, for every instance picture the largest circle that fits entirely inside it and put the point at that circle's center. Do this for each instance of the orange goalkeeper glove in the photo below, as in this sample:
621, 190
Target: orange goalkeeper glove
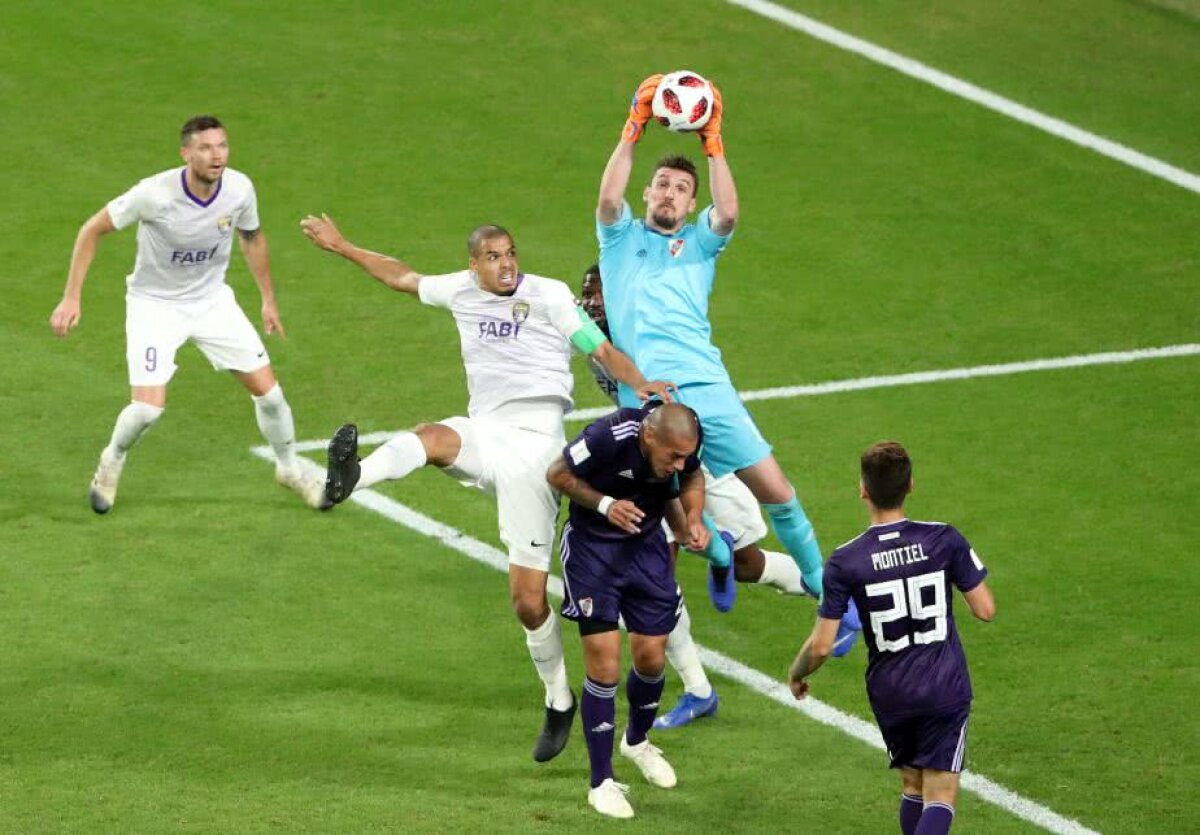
710, 134
639, 109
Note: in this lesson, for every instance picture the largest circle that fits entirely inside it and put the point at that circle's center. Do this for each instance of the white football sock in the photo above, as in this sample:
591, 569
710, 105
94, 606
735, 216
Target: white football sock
682, 653
274, 417
781, 571
133, 421
395, 459
546, 649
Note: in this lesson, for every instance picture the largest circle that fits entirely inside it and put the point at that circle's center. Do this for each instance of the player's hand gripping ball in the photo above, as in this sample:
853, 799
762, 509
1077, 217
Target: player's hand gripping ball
683, 101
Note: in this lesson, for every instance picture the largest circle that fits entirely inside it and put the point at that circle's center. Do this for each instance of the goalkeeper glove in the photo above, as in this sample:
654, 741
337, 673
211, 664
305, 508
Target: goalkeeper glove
710, 134
639, 109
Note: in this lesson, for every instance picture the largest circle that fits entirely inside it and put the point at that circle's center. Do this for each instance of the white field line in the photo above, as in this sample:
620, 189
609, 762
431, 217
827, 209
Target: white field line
861, 383
970, 92
757, 681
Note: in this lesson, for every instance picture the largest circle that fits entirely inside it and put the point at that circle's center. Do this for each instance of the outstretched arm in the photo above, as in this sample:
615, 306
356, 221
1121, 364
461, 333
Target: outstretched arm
383, 268
258, 259
69, 311
621, 368
812, 655
620, 164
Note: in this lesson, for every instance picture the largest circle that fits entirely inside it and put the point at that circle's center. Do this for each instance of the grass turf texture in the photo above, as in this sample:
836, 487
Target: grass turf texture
213, 657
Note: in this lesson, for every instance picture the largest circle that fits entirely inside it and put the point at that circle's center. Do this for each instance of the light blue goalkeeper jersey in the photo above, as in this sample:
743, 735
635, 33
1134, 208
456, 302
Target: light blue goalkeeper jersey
656, 290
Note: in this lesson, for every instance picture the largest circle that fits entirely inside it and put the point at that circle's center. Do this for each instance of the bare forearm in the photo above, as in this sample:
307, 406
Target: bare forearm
389, 271
691, 494
806, 662
614, 182
573, 487
724, 195
620, 366
82, 255
258, 259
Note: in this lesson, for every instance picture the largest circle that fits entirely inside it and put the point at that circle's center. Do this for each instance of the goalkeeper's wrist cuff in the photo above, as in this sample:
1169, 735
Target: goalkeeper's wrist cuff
632, 131
713, 146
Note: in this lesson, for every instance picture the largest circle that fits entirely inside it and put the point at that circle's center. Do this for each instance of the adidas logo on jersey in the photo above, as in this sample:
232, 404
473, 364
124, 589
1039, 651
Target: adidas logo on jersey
626, 474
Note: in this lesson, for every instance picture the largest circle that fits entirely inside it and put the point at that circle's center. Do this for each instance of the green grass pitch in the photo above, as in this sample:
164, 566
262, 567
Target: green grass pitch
213, 657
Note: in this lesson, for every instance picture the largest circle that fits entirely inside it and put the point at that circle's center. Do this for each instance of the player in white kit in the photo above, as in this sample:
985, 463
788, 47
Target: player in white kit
516, 331
187, 218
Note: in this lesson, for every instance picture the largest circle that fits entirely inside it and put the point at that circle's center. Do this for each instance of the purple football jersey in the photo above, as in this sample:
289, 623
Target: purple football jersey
607, 456
901, 576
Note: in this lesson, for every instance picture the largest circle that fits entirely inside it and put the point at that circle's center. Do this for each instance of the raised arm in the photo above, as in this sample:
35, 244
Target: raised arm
620, 164
69, 311
385, 269
720, 177
258, 259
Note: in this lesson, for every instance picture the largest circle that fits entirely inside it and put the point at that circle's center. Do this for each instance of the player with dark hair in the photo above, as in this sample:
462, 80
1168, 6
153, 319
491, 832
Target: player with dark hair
187, 218
658, 275
901, 575
516, 331
620, 474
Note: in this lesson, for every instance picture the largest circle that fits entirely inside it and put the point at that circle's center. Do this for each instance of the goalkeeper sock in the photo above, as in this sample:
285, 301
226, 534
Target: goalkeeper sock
794, 530
274, 417
546, 649
780, 571
685, 658
131, 424
718, 551
395, 459
643, 692
599, 712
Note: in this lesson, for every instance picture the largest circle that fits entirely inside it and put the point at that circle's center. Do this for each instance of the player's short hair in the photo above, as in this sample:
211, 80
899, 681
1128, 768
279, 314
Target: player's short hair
484, 233
680, 163
593, 270
197, 124
886, 474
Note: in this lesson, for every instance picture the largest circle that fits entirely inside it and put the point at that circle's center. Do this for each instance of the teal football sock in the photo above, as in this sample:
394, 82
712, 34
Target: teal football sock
718, 551
794, 530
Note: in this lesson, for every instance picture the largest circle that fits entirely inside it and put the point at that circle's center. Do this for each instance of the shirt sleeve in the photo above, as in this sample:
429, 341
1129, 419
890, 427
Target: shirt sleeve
561, 309
247, 219
609, 234
134, 205
966, 569
710, 242
588, 452
439, 290
835, 597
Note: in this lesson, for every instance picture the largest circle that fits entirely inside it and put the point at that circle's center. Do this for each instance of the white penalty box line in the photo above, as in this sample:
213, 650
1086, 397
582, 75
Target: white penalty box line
966, 90
760, 682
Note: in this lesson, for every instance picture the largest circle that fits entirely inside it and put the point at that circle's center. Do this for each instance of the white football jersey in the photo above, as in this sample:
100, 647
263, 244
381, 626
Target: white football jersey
513, 347
184, 242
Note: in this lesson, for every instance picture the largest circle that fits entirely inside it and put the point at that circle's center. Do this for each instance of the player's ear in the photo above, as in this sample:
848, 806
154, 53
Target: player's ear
911, 486
862, 491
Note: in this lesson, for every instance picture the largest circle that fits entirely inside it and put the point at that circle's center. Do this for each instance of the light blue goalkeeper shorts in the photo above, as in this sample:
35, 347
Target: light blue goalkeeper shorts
731, 440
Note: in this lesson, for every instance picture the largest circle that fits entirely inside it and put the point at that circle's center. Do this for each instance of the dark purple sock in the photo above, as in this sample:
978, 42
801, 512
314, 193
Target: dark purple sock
936, 819
911, 807
643, 693
599, 710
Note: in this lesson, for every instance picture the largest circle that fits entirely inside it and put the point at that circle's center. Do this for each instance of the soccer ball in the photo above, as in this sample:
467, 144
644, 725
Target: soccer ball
683, 101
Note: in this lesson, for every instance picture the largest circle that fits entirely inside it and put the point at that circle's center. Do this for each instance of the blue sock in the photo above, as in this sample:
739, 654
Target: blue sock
796, 533
599, 712
911, 807
643, 692
717, 552
936, 819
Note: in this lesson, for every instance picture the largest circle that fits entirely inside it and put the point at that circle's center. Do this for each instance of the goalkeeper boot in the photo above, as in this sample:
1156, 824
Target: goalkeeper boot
343, 470
608, 798
847, 634
688, 709
722, 587
556, 730
103, 492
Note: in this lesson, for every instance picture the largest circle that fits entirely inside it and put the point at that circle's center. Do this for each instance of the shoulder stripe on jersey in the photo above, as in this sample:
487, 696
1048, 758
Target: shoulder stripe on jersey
936, 524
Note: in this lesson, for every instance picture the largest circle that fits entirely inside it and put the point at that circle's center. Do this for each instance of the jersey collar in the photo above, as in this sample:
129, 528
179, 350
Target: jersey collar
204, 204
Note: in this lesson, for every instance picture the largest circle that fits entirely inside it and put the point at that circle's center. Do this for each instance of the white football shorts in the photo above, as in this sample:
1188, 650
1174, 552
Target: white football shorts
155, 330
733, 508
511, 461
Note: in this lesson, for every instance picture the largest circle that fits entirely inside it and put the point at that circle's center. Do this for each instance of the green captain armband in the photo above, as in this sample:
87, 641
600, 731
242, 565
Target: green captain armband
589, 337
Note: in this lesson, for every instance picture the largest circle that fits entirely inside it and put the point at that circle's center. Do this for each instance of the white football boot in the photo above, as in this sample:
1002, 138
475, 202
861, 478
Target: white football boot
310, 486
650, 762
103, 492
608, 798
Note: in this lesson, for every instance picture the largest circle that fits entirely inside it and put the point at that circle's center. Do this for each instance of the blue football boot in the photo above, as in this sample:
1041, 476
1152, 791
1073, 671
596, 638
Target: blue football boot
689, 708
722, 587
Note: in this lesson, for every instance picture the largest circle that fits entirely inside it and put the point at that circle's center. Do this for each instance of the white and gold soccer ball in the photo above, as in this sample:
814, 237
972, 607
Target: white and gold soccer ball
683, 101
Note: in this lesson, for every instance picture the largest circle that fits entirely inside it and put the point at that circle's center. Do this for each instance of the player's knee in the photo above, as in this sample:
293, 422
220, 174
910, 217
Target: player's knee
271, 401
530, 608
650, 660
442, 444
